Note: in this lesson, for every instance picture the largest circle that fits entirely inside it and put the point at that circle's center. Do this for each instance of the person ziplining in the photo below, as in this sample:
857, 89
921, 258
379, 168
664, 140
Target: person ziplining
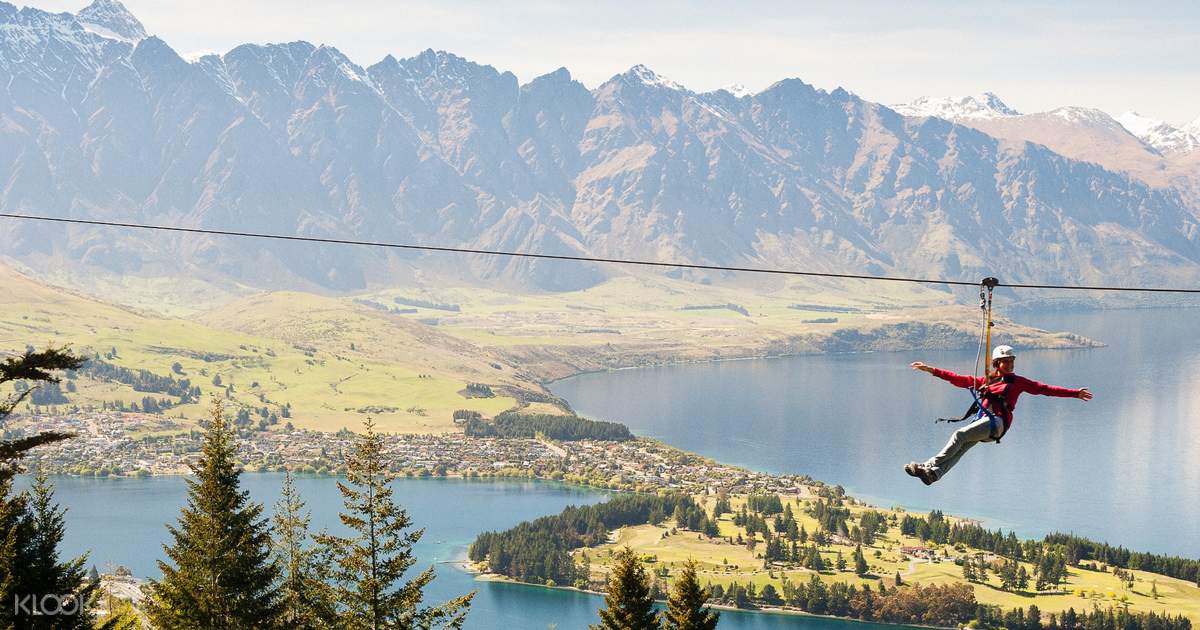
995, 397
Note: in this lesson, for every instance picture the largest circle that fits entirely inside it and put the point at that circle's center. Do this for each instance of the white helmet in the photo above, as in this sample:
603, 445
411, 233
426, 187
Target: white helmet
1003, 352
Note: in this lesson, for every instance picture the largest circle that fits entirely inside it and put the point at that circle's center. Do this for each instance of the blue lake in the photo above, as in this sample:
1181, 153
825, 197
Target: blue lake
1124, 467
122, 522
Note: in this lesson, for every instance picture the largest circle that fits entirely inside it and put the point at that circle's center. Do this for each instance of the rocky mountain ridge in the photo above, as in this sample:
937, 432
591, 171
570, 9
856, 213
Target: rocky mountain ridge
1153, 151
296, 138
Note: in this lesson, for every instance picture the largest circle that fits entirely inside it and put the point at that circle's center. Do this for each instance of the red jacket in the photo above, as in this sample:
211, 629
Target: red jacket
1010, 391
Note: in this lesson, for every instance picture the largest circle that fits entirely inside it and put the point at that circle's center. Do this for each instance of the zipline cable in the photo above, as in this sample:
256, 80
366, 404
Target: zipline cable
618, 261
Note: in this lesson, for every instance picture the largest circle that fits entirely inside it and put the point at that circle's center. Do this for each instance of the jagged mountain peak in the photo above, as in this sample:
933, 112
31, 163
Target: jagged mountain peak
447, 68
553, 80
1159, 134
325, 57
153, 57
295, 50
792, 90
439, 59
646, 76
439, 149
982, 106
561, 75
110, 18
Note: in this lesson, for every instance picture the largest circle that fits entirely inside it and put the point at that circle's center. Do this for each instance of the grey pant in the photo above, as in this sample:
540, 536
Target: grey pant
960, 442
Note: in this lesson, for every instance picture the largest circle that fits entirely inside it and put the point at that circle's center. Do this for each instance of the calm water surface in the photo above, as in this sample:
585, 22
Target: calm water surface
121, 522
1124, 467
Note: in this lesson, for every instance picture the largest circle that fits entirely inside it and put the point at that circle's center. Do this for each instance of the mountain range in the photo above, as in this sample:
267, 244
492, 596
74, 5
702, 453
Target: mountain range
100, 121
1151, 150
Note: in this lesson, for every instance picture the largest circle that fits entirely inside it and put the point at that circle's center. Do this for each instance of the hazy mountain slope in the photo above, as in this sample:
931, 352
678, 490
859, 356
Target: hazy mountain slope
297, 139
1158, 134
1148, 149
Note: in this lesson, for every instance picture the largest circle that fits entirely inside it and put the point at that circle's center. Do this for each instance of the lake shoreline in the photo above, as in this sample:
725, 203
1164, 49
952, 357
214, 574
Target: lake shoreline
763, 610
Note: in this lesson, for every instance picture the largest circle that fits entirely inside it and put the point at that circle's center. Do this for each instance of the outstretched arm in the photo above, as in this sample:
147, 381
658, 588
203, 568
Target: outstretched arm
1042, 389
917, 365
957, 380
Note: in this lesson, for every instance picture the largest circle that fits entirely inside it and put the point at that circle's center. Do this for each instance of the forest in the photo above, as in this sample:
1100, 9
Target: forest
566, 428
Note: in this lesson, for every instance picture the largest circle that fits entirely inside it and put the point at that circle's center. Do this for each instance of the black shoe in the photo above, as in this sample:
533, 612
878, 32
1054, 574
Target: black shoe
920, 472
927, 475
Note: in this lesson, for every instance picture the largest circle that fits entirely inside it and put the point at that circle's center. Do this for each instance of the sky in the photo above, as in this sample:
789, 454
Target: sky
1115, 56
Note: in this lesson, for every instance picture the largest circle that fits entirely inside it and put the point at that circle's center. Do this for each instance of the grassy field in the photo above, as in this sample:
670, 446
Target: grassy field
332, 361
642, 320
723, 563
404, 355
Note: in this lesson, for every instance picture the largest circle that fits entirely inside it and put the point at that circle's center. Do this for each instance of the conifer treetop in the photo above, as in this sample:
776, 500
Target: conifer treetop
219, 573
628, 603
685, 605
366, 569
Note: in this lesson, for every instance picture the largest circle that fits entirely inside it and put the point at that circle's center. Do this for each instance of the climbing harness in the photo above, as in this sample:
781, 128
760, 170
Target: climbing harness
997, 406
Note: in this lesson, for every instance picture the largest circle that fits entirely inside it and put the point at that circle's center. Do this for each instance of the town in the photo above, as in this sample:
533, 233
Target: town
137, 444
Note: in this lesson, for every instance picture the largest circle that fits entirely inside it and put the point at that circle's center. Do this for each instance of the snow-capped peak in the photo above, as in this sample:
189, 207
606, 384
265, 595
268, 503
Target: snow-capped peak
738, 90
1076, 114
1158, 134
649, 77
1193, 127
196, 55
979, 106
110, 18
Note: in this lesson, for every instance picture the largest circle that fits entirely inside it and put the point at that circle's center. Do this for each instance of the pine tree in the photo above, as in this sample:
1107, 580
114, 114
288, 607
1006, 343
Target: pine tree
365, 570
1008, 575
17, 521
685, 607
628, 605
37, 367
219, 573
860, 562
39, 571
304, 599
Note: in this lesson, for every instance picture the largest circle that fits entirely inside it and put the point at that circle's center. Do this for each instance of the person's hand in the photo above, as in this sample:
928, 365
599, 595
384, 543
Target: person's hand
1084, 394
917, 365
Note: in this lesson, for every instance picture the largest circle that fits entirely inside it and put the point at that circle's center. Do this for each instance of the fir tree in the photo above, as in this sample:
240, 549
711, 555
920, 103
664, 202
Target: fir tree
366, 569
304, 599
37, 367
860, 562
685, 606
628, 605
219, 573
40, 572
18, 519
